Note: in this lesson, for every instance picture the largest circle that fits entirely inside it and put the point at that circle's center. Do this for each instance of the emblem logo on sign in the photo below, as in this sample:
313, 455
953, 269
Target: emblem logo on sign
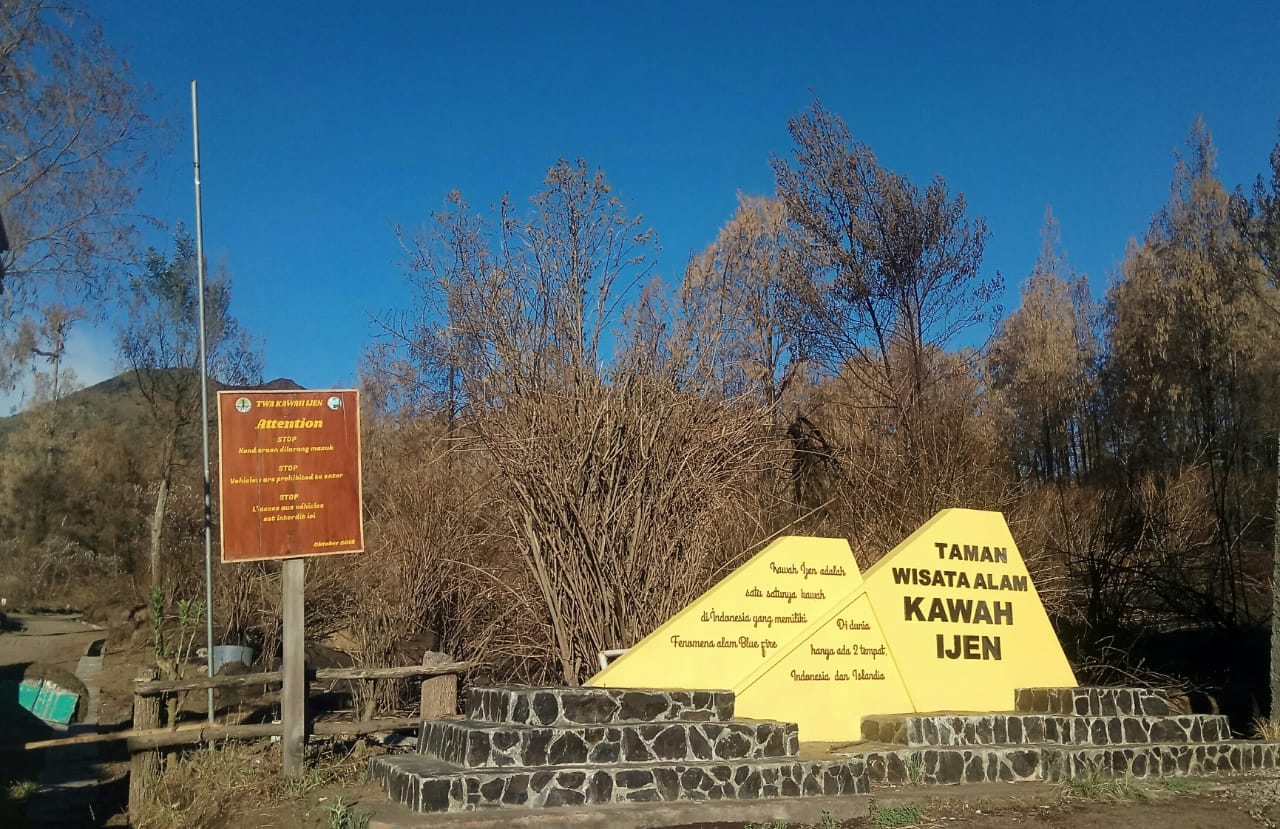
243, 405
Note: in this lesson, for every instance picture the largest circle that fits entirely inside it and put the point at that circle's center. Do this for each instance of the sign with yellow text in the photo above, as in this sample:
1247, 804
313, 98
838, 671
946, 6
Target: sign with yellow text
758, 610
963, 619
289, 474
840, 670
948, 620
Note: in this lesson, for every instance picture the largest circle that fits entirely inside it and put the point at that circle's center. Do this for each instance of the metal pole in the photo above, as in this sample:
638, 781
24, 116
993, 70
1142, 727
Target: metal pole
204, 409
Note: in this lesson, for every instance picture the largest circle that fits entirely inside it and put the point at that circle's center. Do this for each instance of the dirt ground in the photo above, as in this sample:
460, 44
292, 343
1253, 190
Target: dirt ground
1216, 807
60, 640
246, 800
51, 645
1212, 805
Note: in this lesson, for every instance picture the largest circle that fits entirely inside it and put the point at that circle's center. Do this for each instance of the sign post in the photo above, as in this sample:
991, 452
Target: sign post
289, 487
293, 694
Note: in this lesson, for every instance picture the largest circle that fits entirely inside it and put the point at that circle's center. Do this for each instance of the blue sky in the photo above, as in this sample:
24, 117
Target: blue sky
324, 124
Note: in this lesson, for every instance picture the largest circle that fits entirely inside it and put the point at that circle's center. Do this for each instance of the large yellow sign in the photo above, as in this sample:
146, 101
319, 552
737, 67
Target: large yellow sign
948, 620
963, 619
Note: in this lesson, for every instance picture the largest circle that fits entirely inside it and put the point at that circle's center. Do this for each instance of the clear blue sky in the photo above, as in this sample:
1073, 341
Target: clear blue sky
324, 124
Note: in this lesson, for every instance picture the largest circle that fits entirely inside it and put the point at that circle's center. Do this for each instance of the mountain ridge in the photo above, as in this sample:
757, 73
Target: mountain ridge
115, 399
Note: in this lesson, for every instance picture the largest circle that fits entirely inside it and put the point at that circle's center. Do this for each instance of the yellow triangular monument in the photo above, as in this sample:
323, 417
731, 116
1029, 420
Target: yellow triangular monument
948, 620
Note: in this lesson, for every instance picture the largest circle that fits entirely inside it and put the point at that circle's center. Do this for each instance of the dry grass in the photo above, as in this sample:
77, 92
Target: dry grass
1267, 729
1096, 783
221, 787
57, 573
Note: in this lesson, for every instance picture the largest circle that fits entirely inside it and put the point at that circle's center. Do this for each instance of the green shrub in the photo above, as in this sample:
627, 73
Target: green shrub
906, 814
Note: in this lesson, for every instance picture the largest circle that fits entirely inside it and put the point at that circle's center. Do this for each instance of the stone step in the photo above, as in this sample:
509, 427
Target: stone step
425, 785
470, 744
1165, 760
1092, 702
918, 730
897, 766
596, 706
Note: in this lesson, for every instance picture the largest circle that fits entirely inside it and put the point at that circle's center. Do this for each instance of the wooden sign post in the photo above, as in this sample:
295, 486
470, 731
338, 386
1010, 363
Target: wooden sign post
289, 487
293, 664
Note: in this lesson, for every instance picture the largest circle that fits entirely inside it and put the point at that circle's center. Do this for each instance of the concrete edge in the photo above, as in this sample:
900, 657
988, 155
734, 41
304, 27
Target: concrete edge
798, 810
630, 815
793, 810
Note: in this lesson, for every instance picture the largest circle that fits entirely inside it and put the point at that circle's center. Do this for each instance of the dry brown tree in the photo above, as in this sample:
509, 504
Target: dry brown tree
73, 132
611, 472
894, 429
1191, 385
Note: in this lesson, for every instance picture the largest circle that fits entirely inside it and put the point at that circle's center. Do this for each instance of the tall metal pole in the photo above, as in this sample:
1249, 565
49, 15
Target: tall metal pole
204, 409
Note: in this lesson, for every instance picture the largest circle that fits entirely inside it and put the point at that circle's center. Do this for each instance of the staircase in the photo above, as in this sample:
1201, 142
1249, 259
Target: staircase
535, 747
1055, 734
528, 747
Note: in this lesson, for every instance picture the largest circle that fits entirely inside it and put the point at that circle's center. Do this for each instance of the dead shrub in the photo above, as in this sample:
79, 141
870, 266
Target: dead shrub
433, 577
618, 490
874, 471
56, 572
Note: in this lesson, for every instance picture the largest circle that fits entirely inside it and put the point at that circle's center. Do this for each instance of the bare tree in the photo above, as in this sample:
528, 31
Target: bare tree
71, 133
732, 302
160, 344
1191, 388
613, 473
509, 303
1257, 220
893, 277
1043, 363
900, 265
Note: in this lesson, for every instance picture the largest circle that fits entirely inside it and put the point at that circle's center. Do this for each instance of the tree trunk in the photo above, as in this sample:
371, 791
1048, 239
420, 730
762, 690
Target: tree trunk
162, 500
157, 525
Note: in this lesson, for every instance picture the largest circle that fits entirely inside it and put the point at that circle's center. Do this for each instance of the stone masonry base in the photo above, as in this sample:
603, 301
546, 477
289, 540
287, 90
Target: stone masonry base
523, 747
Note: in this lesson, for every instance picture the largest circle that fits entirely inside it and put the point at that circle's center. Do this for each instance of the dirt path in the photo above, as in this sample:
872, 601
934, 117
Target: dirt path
45, 646
72, 781
58, 640
1203, 810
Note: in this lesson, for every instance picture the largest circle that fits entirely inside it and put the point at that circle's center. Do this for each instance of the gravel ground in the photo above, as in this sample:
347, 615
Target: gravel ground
1260, 799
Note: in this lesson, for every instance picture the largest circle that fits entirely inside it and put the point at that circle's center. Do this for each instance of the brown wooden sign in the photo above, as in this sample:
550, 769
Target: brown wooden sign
289, 474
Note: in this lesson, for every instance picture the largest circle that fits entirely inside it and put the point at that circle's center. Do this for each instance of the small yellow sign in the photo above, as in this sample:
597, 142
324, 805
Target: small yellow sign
948, 620
759, 610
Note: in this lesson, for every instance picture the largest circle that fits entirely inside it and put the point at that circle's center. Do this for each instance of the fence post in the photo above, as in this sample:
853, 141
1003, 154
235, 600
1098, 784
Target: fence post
144, 765
439, 693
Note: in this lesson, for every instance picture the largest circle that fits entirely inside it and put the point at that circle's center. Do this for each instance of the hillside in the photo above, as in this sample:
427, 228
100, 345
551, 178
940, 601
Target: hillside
114, 401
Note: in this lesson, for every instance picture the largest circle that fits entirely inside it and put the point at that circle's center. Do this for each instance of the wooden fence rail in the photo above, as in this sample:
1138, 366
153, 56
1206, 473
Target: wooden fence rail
141, 739
171, 686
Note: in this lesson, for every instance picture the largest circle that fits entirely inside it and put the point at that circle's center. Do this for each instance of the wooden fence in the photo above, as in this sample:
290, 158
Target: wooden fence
147, 738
